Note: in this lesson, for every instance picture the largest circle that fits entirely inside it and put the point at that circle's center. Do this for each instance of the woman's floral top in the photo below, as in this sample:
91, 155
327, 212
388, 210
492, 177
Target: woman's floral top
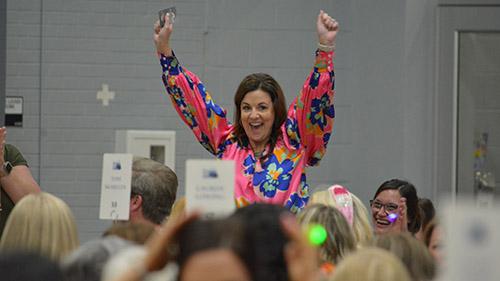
305, 134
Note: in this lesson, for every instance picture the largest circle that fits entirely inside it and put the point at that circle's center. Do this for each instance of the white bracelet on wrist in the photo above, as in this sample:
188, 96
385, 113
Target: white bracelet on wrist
326, 48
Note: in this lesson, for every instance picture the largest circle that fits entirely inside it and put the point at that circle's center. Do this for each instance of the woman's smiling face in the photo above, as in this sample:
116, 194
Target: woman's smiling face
257, 118
381, 223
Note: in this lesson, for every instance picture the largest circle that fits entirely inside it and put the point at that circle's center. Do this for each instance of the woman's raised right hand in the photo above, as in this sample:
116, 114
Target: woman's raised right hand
162, 36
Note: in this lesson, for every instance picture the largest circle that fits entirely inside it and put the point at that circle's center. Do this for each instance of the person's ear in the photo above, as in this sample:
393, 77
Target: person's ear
135, 202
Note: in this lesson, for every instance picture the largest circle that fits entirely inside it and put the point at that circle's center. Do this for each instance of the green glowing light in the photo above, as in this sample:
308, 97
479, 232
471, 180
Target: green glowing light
317, 234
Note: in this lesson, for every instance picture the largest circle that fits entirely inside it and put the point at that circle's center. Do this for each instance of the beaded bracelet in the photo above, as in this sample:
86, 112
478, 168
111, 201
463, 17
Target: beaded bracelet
326, 48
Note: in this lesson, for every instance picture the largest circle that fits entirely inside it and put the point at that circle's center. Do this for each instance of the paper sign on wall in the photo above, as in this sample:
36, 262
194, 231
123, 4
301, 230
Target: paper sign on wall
14, 111
210, 187
116, 186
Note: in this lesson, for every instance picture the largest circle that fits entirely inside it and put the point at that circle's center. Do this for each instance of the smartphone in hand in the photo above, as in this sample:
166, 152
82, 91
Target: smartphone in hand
168, 12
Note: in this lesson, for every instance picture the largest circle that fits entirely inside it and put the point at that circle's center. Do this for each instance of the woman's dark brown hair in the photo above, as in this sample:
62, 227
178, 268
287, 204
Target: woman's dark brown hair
202, 235
408, 191
427, 210
266, 83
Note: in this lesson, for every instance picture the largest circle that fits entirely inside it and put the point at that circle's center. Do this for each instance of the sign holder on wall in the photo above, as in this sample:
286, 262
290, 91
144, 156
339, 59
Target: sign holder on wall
14, 111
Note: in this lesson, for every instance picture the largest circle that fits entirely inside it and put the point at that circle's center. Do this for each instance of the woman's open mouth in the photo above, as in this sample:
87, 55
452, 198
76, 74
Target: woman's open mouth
256, 126
383, 222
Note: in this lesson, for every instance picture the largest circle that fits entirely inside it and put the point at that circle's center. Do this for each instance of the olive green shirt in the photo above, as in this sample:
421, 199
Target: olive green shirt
15, 158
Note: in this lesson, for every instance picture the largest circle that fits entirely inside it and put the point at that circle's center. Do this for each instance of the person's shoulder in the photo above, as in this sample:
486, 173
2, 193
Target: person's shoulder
9, 147
14, 156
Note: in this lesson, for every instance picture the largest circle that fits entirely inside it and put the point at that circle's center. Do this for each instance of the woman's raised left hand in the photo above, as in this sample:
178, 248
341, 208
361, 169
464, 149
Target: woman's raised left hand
402, 219
327, 29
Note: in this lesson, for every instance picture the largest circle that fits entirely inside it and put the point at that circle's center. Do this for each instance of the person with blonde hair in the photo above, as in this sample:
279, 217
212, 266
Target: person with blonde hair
360, 222
371, 264
178, 211
339, 240
411, 251
41, 223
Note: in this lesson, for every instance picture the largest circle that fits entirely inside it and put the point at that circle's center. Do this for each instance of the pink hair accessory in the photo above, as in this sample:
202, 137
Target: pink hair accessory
344, 202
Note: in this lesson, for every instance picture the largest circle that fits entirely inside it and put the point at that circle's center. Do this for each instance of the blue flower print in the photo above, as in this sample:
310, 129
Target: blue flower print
316, 157
326, 138
174, 65
320, 108
304, 187
222, 147
248, 163
188, 78
205, 142
209, 103
314, 161
177, 96
296, 203
332, 80
275, 176
314, 79
292, 131
188, 114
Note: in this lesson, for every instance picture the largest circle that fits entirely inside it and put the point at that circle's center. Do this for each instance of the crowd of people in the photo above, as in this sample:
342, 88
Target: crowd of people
279, 232
257, 242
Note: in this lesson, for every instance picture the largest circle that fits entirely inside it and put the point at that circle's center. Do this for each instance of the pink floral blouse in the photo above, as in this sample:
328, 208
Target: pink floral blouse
303, 142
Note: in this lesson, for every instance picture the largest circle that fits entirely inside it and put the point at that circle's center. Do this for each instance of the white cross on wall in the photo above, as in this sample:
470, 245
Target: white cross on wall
105, 95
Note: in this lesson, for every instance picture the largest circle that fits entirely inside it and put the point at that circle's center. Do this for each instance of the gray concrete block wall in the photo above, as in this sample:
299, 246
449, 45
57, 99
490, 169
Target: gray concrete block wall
83, 44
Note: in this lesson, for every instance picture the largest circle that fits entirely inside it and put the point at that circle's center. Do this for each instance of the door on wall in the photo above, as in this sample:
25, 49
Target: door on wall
468, 101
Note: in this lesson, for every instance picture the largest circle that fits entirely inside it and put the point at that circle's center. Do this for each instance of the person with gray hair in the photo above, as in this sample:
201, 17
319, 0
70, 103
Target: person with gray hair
154, 188
87, 261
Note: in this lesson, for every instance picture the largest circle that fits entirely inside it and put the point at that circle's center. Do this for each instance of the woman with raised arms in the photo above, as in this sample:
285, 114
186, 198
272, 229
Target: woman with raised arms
270, 146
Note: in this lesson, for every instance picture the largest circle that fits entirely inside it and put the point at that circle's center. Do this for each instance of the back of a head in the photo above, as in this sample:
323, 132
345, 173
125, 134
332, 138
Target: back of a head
21, 266
340, 239
43, 224
411, 252
201, 235
371, 264
427, 211
86, 262
361, 222
265, 241
157, 185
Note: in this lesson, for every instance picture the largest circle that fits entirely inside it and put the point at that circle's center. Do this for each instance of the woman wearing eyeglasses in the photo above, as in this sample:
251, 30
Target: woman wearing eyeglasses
395, 208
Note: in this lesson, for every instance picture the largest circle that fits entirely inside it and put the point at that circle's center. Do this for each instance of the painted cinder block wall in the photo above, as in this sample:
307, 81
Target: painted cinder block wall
60, 53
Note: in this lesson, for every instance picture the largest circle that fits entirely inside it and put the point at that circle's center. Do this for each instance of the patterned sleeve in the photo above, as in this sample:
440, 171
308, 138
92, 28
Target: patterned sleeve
311, 115
194, 104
